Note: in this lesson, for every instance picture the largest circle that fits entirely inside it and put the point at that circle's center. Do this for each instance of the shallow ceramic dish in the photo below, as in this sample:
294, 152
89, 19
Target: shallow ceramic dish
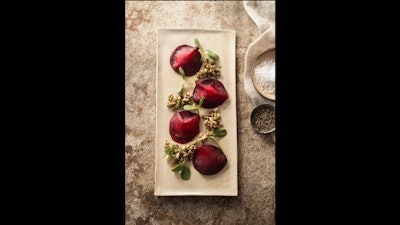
262, 44
262, 118
168, 183
263, 74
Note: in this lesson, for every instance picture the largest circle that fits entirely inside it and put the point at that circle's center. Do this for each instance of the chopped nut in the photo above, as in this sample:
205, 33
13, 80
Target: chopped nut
209, 69
177, 102
212, 121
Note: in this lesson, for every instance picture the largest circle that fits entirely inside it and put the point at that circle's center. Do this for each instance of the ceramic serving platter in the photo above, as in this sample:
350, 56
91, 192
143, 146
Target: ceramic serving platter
168, 183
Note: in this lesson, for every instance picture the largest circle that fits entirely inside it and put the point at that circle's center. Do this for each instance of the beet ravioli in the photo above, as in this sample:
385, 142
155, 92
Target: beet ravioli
209, 159
187, 57
212, 90
184, 126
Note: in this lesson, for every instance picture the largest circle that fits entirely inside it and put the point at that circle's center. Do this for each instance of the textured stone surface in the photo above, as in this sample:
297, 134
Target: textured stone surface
256, 153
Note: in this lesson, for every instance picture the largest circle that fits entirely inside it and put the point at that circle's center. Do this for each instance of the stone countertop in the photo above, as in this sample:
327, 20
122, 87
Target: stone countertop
255, 203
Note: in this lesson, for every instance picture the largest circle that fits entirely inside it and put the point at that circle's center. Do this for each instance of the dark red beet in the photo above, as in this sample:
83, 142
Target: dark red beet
187, 57
209, 159
184, 126
213, 91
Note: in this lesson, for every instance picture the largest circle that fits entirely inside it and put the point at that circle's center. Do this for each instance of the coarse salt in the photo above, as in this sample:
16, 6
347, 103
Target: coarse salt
265, 75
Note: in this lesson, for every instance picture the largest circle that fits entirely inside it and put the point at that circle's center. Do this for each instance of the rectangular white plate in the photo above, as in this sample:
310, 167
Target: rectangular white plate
168, 183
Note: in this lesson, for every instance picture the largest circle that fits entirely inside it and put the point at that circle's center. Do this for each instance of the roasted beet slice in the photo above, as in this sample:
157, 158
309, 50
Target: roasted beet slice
187, 57
184, 126
212, 90
209, 159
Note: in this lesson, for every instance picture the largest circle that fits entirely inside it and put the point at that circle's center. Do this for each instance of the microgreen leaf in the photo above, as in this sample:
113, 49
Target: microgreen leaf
189, 107
178, 167
203, 53
212, 55
219, 132
185, 173
201, 101
179, 91
182, 72
215, 140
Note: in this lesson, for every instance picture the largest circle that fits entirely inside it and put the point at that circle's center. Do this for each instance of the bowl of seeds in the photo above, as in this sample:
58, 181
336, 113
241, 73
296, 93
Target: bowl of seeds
263, 118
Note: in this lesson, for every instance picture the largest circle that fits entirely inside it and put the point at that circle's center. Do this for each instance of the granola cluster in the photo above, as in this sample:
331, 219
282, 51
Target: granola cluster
177, 154
178, 101
212, 121
209, 69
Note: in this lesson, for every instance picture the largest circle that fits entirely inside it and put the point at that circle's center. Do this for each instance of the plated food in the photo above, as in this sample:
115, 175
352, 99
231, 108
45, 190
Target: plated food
184, 126
196, 133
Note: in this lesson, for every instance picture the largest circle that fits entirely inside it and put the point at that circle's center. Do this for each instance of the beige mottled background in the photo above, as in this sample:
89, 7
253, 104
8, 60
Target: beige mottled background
256, 153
